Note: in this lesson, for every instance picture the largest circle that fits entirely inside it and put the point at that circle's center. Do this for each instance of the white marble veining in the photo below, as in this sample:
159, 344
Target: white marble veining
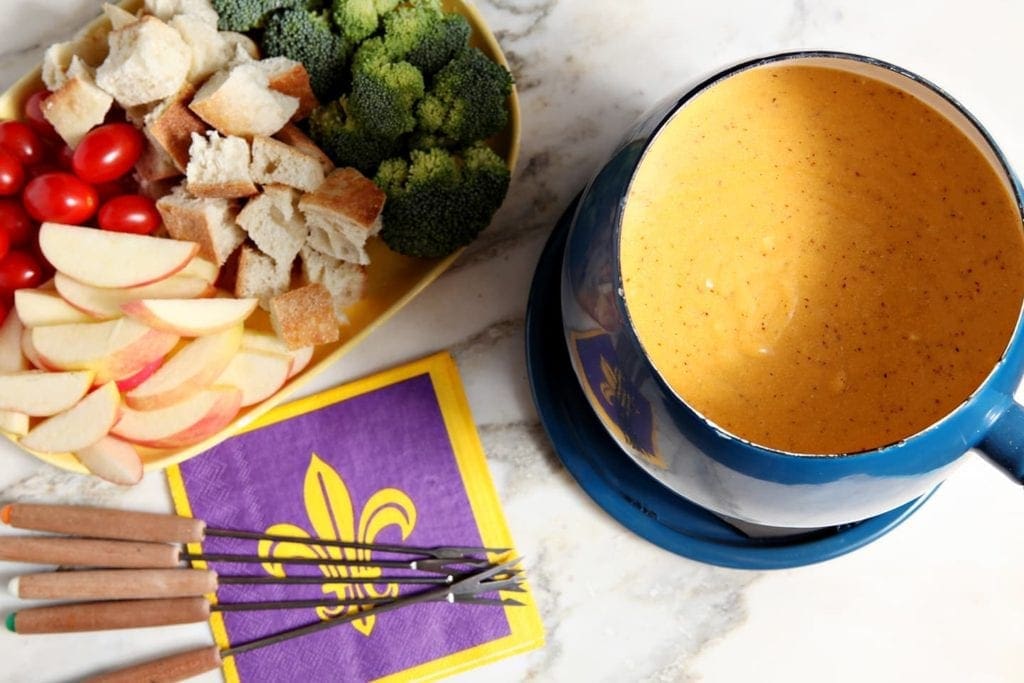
941, 598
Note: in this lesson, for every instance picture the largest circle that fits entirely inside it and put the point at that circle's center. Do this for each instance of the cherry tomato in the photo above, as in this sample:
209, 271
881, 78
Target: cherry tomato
4, 310
19, 270
115, 188
15, 222
19, 139
61, 198
34, 114
130, 213
107, 152
5, 244
12, 175
64, 158
42, 169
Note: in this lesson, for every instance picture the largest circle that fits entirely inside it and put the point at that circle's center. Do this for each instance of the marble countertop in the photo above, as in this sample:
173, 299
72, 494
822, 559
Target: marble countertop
940, 598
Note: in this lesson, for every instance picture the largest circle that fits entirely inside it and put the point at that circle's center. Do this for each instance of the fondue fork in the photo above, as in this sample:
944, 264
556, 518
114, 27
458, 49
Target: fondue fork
102, 523
201, 660
124, 614
137, 584
88, 552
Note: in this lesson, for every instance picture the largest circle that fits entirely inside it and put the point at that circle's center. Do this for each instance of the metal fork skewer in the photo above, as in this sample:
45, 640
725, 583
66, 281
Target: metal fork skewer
445, 552
430, 564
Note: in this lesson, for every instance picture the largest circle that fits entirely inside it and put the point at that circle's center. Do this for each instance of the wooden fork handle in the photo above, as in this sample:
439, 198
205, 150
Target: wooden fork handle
177, 667
90, 522
104, 616
88, 552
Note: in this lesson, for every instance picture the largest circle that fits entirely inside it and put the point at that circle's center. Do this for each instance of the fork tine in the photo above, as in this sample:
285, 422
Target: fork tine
473, 584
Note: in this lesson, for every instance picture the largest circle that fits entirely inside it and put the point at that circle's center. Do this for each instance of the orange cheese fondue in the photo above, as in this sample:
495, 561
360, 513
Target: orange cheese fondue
818, 262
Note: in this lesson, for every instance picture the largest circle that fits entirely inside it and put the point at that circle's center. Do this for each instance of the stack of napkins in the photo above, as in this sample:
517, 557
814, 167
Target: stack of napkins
391, 458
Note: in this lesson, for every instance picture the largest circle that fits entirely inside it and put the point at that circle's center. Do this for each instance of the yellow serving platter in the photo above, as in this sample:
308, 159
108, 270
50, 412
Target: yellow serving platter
392, 280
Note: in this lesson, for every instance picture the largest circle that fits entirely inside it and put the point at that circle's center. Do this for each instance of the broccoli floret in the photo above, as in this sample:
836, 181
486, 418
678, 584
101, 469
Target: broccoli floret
384, 93
438, 201
468, 100
441, 45
348, 143
357, 19
307, 37
421, 34
245, 15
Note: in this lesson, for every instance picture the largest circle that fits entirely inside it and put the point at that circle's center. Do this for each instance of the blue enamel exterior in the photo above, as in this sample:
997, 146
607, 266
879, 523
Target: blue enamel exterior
627, 492
728, 475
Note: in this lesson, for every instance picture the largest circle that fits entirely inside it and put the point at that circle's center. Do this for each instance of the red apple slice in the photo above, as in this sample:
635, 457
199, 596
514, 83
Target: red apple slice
112, 459
81, 426
254, 340
106, 303
12, 358
202, 269
38, 307
28, 349
300, 359
41, 394
182, 424
257, 374
15, 424
114, 350
112, 259
190, 370
190, 317
139, 377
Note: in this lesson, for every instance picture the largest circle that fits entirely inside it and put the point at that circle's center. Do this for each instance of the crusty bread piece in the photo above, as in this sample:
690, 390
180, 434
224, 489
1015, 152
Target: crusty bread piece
239, 102
208, 222
342, 214
304, 317
118, 16
148, 61
293, 135
219, 167
275, 162
345, 281
261, 277
89, 47
167, 9
274, 223
291, 78
210, 52
137, 115
171, 125
155, 163
243, 48
77, 106
56, 61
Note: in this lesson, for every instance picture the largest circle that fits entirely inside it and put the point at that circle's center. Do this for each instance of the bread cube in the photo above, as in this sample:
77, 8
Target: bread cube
304, 317
342, 214
209, 222
274, 162
265, 111
219, 167
148, 61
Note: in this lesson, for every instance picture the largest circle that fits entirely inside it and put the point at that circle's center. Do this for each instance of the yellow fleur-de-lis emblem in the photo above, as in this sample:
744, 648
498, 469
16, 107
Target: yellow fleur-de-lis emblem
613, 388
612, 382
332, 517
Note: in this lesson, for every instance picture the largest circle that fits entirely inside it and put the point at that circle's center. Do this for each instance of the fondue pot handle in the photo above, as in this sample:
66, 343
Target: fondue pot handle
1004, 442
